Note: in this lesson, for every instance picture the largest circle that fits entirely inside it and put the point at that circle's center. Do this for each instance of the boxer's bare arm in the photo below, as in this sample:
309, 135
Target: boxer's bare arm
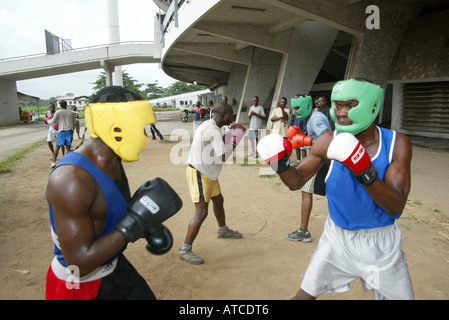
79, 209
295, 178
392, 194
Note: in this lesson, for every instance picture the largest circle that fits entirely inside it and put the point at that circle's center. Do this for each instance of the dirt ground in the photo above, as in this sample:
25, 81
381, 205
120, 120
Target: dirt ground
261, 266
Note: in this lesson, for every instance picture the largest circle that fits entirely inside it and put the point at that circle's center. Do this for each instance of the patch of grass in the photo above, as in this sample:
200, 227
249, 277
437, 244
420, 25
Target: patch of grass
414, 202
8, 164
267, 176
247, 162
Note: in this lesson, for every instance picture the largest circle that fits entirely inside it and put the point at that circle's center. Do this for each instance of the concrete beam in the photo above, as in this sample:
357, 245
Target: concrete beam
200, 61
351, 19
221, 51
202, 77
287, 24
254, 35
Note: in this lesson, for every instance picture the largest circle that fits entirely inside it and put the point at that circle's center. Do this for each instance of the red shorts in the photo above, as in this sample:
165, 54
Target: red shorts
118, 280
58, 289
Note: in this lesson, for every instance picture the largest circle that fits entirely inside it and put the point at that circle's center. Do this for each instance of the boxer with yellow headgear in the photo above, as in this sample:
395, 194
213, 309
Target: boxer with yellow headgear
121, 125
88, 195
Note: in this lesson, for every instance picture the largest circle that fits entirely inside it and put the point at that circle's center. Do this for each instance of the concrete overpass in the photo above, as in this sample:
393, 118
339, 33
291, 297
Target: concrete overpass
107, 57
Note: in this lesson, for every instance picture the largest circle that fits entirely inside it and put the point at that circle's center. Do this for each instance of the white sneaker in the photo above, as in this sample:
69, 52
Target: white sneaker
53, 164
189, 256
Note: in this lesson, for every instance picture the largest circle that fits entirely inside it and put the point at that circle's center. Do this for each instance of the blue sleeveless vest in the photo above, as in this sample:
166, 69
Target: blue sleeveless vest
350, 205
116, 202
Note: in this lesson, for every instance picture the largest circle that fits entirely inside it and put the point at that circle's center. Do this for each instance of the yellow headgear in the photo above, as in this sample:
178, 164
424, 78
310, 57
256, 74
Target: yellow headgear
121, 126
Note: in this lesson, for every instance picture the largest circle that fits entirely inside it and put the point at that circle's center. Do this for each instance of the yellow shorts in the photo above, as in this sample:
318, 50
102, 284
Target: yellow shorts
202, 189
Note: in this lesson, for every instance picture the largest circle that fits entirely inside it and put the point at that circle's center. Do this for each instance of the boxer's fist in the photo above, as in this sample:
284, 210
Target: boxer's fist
346, 149
301, 140
276, 151
154, 202
160, 239
292, 131
234, 134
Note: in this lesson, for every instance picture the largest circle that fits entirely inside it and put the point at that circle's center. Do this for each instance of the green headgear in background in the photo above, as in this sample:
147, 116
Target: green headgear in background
370, 97
305, 104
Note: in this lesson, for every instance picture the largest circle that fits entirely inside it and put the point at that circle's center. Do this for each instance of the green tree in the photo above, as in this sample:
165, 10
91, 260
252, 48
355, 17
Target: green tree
128, 82
154, 91
181, 87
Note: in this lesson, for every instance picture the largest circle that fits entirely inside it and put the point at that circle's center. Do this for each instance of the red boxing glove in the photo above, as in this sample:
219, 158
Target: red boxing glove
301, 140
234, 133
292, 131
346, 149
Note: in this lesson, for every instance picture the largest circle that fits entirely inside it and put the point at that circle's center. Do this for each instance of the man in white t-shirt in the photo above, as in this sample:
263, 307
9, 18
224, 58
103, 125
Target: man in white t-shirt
256, 115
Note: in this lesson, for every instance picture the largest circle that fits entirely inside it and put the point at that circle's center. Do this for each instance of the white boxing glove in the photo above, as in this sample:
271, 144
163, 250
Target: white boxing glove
346, 149
276, 151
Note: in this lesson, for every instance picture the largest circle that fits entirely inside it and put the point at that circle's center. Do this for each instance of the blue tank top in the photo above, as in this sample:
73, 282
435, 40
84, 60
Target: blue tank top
350, 205
116, 201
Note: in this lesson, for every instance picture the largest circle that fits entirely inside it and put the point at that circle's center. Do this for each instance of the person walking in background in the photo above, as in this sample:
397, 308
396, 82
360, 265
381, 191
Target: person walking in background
198, 114
77, 120
52, 129
155, 131
211, 109
66, 120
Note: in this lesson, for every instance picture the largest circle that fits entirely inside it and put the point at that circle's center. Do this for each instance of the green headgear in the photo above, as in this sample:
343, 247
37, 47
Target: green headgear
305, 104
370, 97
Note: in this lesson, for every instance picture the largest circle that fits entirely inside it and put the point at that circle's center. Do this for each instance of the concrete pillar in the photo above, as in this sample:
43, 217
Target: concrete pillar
374, 51
260, 81
108, 70
9, 103
114, 37
309, 46
235, 86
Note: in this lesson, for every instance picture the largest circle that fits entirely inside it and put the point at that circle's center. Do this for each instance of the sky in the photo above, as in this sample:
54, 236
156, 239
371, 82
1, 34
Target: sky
84, 22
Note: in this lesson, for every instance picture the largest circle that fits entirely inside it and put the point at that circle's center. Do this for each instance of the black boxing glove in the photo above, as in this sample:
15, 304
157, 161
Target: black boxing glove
160, 240
154, 202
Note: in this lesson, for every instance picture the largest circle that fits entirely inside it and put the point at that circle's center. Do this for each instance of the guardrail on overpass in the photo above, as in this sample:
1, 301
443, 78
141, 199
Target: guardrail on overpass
81, 59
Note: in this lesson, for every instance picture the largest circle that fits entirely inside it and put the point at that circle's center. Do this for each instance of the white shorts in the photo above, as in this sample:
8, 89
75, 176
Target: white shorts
308, 186
373, 255
52, 135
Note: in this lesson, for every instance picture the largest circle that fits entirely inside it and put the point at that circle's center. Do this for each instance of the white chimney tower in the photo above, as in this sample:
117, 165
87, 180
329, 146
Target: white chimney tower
114, 37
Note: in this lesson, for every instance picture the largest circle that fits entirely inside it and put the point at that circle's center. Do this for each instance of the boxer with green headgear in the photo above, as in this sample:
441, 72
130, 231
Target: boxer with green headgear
367, 185
369, 97
302, 106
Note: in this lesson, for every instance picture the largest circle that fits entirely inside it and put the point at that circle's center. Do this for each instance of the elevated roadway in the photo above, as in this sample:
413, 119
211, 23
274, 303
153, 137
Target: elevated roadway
89, 58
